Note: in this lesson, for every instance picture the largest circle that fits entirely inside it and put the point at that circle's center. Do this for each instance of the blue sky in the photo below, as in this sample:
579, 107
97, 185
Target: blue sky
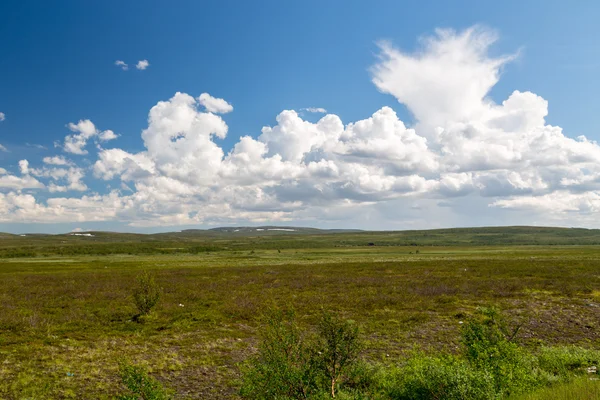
58, 67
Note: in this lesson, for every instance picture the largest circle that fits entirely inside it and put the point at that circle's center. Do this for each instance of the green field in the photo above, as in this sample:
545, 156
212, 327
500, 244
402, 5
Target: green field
66, 316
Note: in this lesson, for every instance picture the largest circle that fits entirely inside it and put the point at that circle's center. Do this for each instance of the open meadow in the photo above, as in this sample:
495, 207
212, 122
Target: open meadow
67, 309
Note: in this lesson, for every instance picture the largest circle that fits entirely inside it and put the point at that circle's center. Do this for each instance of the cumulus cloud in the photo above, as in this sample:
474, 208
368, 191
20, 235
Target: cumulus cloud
12, 182
2, 116
56, 160
463, 154
86, 130
24, 166
447, 79
142, 64
556, 202
214, 105
19, 183
66, 177
121, 64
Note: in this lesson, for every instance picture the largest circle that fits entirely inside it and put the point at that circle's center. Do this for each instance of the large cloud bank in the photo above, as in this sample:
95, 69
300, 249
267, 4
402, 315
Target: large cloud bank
463, 149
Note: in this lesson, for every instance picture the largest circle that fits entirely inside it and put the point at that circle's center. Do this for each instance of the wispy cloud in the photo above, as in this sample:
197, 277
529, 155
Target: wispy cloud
142, 64
122, 64
4, 149
318, 110
2, 116
37, 146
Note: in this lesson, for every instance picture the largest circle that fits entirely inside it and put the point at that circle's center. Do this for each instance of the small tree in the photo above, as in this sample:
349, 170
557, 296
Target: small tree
147, 294
340, 347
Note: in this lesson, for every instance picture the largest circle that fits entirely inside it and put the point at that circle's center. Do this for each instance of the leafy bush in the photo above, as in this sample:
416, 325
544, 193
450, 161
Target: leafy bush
362, 380
140, 386
445, 377
147, 294
293, 365
488, 347
566, 362
285, 366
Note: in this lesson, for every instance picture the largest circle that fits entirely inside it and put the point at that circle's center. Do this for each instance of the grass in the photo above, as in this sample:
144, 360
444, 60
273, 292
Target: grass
581, 389
66, 320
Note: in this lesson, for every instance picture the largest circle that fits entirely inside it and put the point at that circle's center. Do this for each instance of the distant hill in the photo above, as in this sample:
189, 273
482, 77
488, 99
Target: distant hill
294, 230
268, 230
282, 237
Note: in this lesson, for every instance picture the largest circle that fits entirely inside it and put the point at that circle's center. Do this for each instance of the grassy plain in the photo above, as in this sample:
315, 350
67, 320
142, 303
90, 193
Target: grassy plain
66, 303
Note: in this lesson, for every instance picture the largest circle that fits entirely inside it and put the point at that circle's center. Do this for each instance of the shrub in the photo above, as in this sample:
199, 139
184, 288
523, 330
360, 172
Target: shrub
362, 380
338, 348
445, 377
284, 367
293, 365
565, 362
147, 294
488, 347
139, 385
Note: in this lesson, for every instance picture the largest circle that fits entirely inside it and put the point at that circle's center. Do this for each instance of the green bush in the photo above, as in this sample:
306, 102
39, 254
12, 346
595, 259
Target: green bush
338, 348
362, 380
444, 377
147, 293
285, 366
140, 386
565, 362
293, 365
488, 347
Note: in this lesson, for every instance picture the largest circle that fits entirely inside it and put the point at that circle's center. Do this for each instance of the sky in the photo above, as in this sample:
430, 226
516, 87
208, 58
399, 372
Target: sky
148, 116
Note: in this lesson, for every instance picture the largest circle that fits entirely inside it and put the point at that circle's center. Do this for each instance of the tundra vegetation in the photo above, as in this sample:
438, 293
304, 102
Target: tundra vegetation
475, 314
146, 294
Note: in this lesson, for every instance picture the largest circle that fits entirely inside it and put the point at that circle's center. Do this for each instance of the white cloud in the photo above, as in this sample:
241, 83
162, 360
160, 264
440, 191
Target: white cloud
4, 149
24, 166
105, 136
56, 160
2, 116
86, 130
18, 207
61, 179
142, 64
8, 181
117, 162
19, 183
467, 159
122, 65
446, 80
318, 110
214, 105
